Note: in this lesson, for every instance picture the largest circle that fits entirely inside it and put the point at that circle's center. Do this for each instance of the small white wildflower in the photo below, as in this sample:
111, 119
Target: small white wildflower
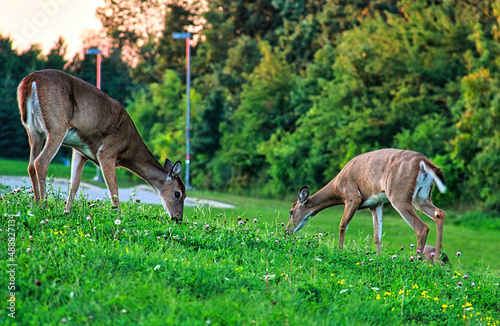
118, 222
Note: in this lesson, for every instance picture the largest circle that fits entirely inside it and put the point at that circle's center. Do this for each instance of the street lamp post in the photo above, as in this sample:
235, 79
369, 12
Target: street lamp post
187, 36
98, 85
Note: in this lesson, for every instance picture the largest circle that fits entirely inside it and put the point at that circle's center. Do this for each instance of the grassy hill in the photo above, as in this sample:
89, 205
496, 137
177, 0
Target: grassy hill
232, 267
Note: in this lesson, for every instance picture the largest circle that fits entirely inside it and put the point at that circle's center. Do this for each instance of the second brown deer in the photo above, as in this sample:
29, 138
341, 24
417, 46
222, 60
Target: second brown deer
402, 178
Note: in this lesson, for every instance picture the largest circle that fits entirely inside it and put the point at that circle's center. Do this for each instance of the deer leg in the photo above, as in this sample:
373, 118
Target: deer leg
108, 168
36, 144
42, 162
350, 208
377, 226
77, 163
437, 216
407, 212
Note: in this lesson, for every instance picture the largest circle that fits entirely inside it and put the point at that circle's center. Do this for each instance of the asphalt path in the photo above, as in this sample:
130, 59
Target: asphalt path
144, 193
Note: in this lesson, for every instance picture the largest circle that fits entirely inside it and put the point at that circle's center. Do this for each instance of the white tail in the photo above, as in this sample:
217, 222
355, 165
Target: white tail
59, 109
402, 178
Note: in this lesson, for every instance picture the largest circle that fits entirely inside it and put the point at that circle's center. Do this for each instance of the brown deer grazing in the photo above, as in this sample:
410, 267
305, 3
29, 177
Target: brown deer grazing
402, 178
59, 109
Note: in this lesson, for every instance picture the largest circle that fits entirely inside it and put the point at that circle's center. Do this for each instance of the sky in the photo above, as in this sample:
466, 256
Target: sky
43, 21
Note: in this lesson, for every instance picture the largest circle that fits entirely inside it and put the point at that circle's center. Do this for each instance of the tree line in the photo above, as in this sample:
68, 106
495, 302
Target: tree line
286, 93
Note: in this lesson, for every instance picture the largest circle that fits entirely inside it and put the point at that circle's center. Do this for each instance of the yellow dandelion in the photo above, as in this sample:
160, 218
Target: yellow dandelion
415, 286
378, 296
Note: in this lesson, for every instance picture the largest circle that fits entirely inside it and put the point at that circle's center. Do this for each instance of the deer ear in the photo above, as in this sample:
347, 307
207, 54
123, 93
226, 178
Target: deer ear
176, 170
303, 194
168, 164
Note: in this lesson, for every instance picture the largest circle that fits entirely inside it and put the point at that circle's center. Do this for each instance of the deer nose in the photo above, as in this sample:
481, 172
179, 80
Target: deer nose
177, 218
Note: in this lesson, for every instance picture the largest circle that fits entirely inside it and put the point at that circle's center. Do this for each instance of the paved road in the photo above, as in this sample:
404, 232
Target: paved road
144, 193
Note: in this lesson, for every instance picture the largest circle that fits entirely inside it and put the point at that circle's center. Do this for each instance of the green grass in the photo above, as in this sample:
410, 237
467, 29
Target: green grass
139, 268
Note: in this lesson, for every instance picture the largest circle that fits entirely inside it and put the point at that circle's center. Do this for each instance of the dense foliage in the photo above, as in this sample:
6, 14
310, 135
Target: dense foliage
285, 93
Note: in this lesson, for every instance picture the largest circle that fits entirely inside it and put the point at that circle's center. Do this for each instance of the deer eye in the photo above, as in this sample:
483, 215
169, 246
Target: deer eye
177, 194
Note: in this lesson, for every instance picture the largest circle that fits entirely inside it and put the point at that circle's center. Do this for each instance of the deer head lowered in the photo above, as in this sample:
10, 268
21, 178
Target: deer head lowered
402, 178
59, 109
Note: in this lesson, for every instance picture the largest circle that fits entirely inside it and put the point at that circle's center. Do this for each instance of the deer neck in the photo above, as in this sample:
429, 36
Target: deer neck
325, 197
147, 168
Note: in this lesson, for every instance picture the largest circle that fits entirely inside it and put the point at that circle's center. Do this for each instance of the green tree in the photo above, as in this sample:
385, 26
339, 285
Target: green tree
55, 58
159, 112
264, 110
